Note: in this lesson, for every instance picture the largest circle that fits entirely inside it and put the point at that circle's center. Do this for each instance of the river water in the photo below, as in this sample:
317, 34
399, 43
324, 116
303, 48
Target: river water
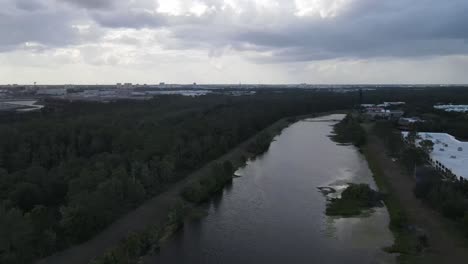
274, 212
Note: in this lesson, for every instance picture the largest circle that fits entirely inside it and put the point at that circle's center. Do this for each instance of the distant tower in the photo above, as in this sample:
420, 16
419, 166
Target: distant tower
360, 96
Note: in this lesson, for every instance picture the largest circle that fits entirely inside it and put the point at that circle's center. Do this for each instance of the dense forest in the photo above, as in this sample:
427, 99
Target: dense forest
69, 171
72, 169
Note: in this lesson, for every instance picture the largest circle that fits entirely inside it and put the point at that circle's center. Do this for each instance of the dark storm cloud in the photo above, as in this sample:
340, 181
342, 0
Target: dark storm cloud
53, 30
367, 29
29, 5
363, 29
37, 25
359, 39
92, 4
129, 19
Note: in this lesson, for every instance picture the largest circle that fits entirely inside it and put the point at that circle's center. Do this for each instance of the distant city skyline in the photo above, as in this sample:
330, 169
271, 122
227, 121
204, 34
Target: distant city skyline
231, 41
200, 85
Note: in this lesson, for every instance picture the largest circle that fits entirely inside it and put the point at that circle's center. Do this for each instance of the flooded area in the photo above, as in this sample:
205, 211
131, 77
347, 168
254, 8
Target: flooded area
274, 212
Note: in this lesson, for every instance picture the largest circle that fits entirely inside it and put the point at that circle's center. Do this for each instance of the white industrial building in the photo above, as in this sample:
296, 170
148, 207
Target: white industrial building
452, 108
383, 105
406, 122
393, 103
379, 112
449, 155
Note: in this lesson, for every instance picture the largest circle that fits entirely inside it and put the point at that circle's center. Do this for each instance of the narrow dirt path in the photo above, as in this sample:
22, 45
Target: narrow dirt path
445, 246
153, 211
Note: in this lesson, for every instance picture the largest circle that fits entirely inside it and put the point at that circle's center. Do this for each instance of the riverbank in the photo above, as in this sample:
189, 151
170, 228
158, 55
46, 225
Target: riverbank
198, 190
405, 244
154, 212
271, 214
410, 218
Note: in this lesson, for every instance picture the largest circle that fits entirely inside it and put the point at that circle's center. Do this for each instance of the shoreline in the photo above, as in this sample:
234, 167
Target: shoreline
394, 209
155, 211
405, 243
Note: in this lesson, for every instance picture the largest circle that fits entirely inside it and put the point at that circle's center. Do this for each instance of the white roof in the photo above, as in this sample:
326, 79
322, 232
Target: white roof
447, 151
452, 108
394, 103
411, 119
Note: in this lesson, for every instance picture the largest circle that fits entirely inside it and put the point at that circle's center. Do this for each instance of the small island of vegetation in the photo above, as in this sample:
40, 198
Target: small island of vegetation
354, 200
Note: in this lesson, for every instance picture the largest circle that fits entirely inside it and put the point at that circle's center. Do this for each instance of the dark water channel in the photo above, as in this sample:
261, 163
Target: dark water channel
274, 212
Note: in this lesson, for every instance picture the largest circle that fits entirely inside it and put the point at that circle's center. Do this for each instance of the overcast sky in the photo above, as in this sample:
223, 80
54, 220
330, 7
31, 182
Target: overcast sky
232, 41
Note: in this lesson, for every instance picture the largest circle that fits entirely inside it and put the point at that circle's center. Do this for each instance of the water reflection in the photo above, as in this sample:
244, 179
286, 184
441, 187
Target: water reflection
274, 213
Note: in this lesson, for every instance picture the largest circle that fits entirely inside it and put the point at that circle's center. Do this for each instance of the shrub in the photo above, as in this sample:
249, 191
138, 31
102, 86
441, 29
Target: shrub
201, 190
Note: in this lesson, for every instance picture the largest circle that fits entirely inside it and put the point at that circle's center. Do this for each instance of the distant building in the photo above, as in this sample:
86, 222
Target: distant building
407, 122
383, 105
393, 103
31, 88
124, 85
138, 93
449, 156
382, 113
452, 108
52, 92
396, 114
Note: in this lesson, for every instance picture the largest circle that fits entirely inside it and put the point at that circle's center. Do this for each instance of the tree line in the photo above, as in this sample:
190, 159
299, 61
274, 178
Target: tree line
446, 194
71, 170
349, 130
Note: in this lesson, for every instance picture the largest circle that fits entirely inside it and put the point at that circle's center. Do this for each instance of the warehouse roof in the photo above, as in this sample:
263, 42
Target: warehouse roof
448, 151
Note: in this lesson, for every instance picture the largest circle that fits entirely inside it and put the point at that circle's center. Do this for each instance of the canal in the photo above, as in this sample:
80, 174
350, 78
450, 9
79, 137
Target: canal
274, 213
